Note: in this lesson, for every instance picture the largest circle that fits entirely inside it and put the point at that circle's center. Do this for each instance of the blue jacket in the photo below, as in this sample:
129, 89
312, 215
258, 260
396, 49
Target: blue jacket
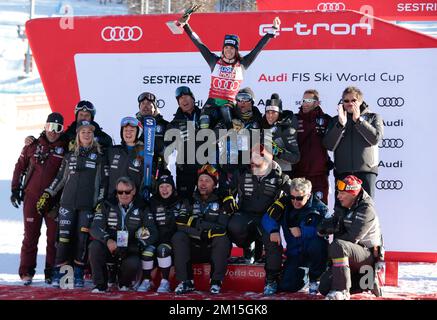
305, 218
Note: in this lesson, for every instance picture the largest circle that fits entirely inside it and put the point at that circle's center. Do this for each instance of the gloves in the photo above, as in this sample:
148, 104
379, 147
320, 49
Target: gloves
186, 220
217, 231
230, 205
44, 203
328, 226
276, 210
16, 198
186, 16
275, 27
98, 208
276, 150
237, 124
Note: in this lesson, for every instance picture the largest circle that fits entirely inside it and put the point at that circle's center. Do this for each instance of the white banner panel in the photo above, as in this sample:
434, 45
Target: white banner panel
397, 83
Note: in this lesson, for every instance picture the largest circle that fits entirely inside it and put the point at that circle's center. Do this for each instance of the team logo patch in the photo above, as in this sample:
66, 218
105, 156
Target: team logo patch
274, 129
320, 121
214, 206
319, 195
59, 150
63, 212
93, 156
136, 163
135, 212
158, 129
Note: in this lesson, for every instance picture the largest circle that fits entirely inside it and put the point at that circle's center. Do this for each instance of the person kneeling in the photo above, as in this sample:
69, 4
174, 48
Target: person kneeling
121, 232
357, 243
301, 213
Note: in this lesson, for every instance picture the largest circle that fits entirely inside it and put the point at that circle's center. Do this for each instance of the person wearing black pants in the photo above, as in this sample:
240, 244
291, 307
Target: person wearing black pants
82, 177
353, 136
357, 241
201, 235
123, 232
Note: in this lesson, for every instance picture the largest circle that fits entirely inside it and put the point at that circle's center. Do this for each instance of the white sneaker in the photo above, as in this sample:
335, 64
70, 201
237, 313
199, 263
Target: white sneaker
123, 288
99, 289
338, 295
313, 288
164, 286
144, 286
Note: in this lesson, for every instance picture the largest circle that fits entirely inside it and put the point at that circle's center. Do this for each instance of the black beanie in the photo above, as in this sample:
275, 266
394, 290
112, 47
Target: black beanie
274, 103
166, 177
55, 118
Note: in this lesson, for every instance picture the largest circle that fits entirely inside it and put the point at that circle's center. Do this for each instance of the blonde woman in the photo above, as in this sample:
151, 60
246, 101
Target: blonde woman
82, 178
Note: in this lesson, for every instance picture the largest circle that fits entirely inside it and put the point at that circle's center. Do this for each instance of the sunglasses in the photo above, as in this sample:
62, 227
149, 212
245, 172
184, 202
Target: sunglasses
53, 126
308, 100
298, 198
342, 186
147, 95
126, 192
347, 101
243, 97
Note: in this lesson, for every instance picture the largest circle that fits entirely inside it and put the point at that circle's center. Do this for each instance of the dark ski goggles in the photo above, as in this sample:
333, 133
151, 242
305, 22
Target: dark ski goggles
130, 121
54, 127
181, 91
147, 95
243, 97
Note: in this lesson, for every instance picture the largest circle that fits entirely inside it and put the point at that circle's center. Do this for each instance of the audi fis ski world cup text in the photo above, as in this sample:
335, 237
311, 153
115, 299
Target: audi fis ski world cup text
331, 77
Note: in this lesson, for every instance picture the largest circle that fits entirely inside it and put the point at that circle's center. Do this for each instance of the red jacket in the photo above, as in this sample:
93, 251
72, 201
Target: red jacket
41, 160
313, 155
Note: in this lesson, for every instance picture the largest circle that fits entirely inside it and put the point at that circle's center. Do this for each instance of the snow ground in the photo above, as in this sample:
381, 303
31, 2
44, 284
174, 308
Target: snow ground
414, 278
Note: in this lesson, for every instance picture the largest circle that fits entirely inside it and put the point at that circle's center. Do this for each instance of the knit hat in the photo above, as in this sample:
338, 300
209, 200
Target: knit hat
210, 171
274, 103
182, 91
350, 184
246, 93
84, 123
85, 105
55, 117
149, 97
232, 40
166, 177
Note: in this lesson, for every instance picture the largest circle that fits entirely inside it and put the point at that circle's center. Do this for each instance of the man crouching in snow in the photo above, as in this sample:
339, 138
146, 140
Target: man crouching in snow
357, 243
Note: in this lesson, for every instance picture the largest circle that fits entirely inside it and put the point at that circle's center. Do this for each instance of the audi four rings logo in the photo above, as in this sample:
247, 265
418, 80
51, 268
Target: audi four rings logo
389, 184
160, 103
226, 84
331, 6
391, 102
126, 33
391, 143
